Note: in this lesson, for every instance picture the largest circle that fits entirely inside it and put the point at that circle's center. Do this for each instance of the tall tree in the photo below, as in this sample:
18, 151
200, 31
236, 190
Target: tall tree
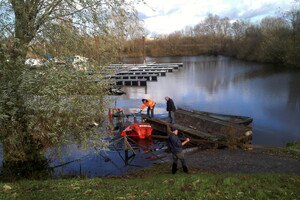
293, 16
52, 104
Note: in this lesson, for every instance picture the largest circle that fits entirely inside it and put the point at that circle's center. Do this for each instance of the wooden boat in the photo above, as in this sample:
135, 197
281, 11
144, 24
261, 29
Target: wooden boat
237, 119
206, 126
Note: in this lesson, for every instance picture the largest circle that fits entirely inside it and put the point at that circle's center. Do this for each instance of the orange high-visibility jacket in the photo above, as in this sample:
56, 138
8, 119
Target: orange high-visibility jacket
150, 104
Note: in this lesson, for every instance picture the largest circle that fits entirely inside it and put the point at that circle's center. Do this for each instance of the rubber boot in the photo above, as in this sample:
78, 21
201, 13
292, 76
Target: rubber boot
174, 168
185, 169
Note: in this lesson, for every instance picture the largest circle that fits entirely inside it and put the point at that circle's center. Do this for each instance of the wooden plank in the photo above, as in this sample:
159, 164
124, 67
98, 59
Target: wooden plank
159, 73
153, 69
127, 145
163, 126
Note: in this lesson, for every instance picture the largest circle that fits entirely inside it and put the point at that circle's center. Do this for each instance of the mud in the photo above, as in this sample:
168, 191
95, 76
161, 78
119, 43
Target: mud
240, 161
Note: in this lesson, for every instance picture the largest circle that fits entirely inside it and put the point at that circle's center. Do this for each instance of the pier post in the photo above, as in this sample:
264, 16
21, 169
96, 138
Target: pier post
127, 147
144, 49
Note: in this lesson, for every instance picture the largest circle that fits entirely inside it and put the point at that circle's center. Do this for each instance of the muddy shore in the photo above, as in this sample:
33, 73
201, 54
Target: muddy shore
240, 161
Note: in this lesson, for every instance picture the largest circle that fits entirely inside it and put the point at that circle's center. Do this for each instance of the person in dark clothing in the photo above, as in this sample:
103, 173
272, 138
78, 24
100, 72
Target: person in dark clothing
171, 109
176, 149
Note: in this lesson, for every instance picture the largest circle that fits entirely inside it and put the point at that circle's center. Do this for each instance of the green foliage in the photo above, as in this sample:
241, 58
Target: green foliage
54, 104
51, 104
293, 145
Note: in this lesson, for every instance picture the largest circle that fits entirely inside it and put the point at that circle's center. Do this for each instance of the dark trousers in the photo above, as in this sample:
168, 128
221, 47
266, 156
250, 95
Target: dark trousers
152, 111
171, 117
179, 156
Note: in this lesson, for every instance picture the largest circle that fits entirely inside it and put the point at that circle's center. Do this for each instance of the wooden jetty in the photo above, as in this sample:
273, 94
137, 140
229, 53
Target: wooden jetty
130, 82
138, 74
166, 64
158, 73
112, 66
167, 69
198, 126
149, 77
160, 66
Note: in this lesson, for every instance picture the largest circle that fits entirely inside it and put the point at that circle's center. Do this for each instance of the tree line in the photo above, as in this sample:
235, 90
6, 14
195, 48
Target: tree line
271, 40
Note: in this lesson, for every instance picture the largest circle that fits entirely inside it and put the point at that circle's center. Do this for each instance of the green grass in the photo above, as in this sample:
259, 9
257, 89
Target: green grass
294, 145
157, 183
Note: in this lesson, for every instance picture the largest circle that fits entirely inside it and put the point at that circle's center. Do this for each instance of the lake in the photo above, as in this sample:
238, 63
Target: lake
267, 93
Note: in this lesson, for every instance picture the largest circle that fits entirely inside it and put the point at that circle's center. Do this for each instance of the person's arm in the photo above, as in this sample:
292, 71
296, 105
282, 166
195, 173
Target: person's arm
143, 106
185, 141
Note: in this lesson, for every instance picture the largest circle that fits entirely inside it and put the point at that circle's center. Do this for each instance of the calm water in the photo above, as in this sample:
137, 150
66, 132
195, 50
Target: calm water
215, 84
266, 93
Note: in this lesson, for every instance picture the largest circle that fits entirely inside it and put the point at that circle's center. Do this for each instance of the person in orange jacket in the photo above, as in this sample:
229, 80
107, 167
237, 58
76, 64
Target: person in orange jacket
150, 104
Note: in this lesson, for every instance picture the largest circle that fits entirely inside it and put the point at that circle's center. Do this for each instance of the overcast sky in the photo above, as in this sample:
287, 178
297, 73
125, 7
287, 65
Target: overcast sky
167, 16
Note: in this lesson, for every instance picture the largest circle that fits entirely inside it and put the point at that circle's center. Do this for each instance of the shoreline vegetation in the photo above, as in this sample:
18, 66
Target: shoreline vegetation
157, 182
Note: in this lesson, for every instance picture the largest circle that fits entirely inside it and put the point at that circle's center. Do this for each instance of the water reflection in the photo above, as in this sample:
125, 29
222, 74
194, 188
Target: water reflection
269, 94
105, 162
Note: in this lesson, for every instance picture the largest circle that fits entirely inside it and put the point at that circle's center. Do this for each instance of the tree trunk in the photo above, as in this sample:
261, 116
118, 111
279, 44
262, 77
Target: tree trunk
25, 27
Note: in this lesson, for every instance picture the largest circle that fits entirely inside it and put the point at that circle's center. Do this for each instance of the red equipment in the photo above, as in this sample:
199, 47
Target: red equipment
114, 112
138, 130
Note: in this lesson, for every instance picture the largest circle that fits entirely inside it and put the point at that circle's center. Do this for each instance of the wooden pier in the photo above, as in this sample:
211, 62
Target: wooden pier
166, 64
149, 77
167, 69
158, 73
130, 82
138, 75
163, 66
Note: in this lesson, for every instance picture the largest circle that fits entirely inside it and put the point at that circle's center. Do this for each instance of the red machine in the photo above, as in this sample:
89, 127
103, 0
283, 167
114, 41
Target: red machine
138, 130
114, 112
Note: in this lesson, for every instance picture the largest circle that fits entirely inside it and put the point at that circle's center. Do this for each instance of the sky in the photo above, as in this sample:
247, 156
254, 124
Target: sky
167, 16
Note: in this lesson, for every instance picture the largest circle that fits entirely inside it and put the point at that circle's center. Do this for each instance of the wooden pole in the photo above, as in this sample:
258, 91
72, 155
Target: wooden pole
126, 150
127, 147
144, 49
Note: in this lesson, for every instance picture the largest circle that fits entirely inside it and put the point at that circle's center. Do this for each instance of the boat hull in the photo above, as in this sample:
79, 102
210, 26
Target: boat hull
138, 131
236, 119
197, 125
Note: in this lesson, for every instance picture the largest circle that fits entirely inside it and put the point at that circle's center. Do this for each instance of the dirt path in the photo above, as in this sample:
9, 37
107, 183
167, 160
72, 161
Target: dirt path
238, 161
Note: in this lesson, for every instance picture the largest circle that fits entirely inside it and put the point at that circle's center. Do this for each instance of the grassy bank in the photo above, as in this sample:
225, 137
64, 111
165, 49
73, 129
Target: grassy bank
157, 183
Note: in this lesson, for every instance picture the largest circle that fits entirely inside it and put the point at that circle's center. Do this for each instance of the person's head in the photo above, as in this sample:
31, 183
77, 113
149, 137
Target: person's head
167, 98
144, 100
174, 130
